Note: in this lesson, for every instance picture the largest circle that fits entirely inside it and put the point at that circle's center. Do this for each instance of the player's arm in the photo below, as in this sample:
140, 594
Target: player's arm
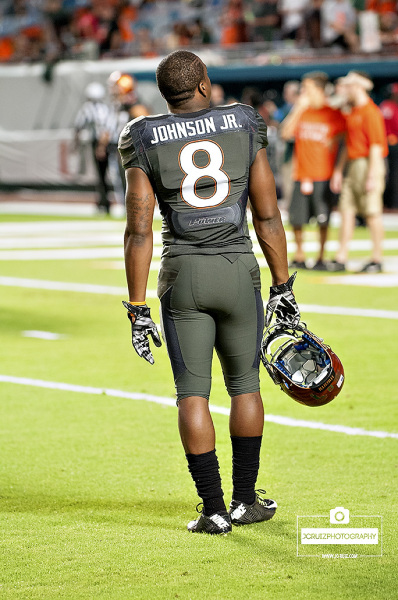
138, 237
336, 180
271, 236
138, 247
267, 220
375, 160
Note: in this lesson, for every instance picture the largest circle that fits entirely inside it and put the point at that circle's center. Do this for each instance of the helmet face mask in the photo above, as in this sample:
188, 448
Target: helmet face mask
304, 367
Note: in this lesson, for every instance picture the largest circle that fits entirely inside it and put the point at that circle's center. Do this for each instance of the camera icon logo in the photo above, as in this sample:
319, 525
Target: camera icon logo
339, 515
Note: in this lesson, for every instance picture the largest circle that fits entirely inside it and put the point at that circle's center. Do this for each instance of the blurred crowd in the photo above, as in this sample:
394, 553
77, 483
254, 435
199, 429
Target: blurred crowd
50, 30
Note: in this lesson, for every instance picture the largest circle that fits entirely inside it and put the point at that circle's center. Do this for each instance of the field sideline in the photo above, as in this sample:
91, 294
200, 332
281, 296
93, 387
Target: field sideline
94, 490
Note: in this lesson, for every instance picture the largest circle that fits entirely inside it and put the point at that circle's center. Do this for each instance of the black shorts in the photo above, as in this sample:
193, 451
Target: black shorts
207, 302
319, 204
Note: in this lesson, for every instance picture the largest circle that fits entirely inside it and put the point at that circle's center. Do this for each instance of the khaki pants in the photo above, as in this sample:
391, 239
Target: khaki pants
354, 196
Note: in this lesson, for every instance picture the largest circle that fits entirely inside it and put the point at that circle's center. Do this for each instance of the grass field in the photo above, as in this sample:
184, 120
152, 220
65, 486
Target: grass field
94, 490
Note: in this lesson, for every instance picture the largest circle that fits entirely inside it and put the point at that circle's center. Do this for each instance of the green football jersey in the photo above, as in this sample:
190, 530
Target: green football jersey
198, 164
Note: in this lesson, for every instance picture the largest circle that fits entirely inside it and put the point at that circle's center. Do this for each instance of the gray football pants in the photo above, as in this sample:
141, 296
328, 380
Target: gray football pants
207, 302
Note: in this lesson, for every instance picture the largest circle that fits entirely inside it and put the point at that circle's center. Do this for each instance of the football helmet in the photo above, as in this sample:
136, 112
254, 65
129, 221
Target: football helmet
122, 87
304, 367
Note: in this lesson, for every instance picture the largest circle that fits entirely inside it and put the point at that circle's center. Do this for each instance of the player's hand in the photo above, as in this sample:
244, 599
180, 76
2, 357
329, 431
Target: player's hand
302, 102
141, 327
336, 182
370, 183
283, 303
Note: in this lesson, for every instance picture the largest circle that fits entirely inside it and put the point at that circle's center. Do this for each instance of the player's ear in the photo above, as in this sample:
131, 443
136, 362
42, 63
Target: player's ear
202, 87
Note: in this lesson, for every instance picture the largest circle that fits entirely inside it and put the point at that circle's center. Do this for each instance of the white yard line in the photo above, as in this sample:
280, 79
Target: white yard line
64, 286
69, 254
110, 290
116, 247
276, 419
349, 311
381, 280
43, 335
34, 228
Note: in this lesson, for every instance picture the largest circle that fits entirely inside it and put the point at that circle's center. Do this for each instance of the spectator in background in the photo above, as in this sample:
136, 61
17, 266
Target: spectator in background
313, 23
293, 13
265, 20
389, 109
217, 95
315, 127
389, 29
338, 22
147, 46
200, 33
338, 98
290, 94
363, 185
233, 24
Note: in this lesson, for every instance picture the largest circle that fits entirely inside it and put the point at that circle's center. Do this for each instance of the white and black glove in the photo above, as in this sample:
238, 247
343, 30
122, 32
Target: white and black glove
141, 327
283, 303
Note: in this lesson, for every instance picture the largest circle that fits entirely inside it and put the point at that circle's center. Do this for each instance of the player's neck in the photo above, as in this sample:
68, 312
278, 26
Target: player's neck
189, 107
361, 99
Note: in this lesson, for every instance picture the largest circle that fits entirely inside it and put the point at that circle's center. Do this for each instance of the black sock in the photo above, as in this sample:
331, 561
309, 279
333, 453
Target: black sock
206, 475
245, 465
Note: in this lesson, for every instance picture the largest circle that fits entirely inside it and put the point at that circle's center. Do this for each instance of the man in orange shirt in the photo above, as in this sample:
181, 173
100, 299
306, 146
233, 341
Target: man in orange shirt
316, 128
363, 185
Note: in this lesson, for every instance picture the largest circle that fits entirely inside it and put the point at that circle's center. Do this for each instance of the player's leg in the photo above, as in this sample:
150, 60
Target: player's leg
372, 207
196, 425
239, 332
322, 205
115, 175
348, 211
299, 255
190, 336
375, 224
101, 165
298, 216
347, 227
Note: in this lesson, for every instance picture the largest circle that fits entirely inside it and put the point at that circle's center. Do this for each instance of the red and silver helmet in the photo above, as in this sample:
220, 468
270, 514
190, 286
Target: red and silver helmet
304, 367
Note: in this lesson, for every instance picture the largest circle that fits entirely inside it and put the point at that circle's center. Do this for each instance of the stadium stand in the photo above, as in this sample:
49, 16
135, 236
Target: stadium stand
50, 30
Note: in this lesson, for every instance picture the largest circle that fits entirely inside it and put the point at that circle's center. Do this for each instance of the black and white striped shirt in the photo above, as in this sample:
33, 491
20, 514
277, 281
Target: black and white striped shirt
94, 117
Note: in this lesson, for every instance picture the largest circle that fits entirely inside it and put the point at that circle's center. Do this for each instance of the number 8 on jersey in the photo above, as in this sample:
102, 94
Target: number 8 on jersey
194, 173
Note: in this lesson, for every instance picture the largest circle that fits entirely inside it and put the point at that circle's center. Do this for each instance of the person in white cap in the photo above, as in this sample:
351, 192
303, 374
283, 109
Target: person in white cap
361, 189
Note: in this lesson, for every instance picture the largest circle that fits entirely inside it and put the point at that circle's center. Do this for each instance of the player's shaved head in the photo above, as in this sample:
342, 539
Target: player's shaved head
178, 76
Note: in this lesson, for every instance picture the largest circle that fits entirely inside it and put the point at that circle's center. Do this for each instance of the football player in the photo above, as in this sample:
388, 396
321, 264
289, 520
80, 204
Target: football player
123, 107
202, 164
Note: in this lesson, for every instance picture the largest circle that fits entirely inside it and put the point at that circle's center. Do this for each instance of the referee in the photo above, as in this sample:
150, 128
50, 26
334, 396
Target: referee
93, 117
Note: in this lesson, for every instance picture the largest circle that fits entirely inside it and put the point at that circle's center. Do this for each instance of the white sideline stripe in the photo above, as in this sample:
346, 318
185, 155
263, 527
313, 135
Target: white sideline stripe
64, 286
90, 288
42, 335
369, 280
65, 240
349, 311
117, 250
276, 419
69, 253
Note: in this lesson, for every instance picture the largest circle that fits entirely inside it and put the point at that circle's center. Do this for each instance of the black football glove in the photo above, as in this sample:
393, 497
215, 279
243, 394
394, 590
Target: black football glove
141, 326
283, 303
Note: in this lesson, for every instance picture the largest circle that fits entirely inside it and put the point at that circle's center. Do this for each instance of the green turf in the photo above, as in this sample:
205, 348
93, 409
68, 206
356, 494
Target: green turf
94, 490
